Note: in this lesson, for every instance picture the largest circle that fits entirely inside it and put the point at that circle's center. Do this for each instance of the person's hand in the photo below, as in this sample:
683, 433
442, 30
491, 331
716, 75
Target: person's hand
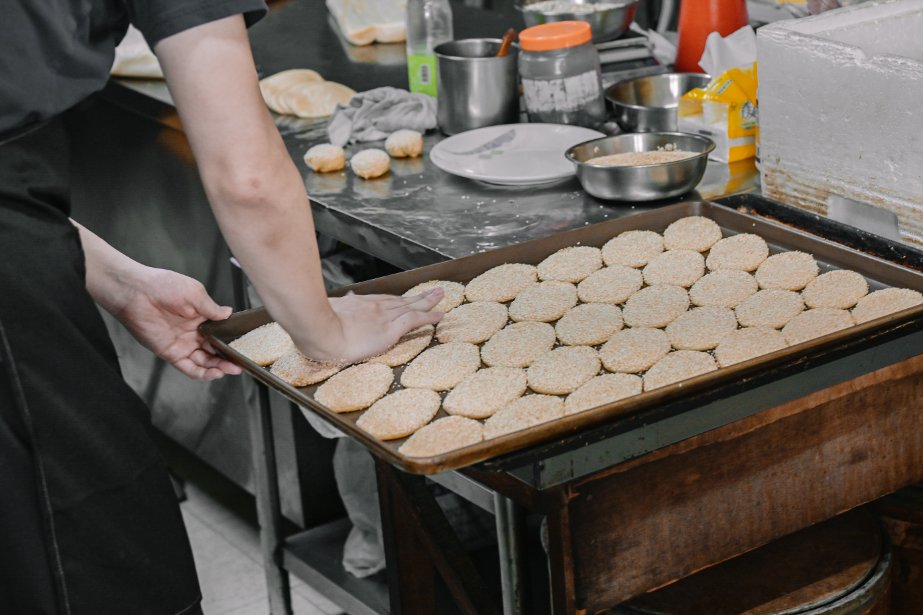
367, 325
163, 310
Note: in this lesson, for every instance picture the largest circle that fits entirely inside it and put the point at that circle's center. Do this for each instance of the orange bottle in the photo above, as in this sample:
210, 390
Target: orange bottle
698, 19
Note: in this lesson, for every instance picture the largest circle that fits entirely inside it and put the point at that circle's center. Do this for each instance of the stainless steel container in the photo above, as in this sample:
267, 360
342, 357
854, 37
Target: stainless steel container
476, 88
608, 21
649, 182
649, 104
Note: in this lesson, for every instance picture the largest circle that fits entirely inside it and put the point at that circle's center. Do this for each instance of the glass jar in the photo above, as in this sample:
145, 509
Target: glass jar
561, 78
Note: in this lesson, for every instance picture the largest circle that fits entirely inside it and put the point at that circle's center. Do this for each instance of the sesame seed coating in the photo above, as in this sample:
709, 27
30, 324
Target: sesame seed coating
769, 308
632, 248
655, 306
501, 283
443, 435
544, 302
563, 369
400, 414
265, 344
300, 371
523, 413
691, 233
675, 268
748, 343
485, 391
454, 293
518, 344
815, 323
570, 264
589, 324
603, 389
701, 328
634, 350
787, 270
442, 367
840, 289
742, 252
677, 366
409, 346
355, 388
723, 288
883, 302
613, 284
472, 322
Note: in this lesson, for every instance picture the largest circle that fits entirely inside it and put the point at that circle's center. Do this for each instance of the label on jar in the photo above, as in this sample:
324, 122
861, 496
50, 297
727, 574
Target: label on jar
421, 69
568, 94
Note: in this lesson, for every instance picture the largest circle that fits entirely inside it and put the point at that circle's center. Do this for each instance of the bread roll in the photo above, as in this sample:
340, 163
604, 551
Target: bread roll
404, 144
325, 158
370, 163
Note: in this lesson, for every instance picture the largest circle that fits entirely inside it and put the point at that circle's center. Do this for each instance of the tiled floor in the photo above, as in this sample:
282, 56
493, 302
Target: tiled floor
227, 554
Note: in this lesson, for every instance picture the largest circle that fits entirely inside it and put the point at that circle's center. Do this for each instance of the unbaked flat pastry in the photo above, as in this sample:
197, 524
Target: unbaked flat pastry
485, 391
588, 324
454, 293
355, 388
400, 414
563, 369
655, 306
472, 322
701, 328
442, 367
691, 233
612, 284
634, 350
677, 366
815, 323
265, 344
519, 344
502, 283
769, 308
603, 389
748, 343
742, 252
300, 371
443, 435
409, 346
632, 248
523, 413
675, 268
886, 301
840, 289
570, 264
723, 288
544, 302
787, 270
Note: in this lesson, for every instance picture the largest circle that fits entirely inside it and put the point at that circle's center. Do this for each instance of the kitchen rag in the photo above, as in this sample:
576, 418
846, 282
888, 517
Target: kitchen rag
375, 114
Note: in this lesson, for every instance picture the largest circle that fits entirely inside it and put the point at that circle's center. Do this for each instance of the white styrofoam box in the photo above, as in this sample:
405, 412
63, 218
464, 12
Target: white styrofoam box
841, 109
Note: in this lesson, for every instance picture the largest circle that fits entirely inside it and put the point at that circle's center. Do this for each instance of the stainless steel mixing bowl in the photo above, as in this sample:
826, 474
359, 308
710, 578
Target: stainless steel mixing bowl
649, 104
646, 182
607, 23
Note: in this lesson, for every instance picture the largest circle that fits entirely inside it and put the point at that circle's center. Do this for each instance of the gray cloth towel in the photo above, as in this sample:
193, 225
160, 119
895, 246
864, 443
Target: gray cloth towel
373, 115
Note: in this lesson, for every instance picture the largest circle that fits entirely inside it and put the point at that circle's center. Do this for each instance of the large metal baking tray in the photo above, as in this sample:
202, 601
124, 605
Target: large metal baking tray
879, 271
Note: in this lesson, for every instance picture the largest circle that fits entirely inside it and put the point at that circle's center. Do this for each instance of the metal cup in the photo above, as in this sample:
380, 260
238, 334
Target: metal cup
476, 88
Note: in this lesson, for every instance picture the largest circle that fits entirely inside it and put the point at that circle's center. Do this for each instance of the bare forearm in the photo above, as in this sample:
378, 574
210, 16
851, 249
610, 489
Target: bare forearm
109, 273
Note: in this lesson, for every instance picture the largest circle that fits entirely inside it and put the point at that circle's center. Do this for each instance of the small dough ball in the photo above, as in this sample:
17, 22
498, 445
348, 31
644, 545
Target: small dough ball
404, 144
325, 158
370, 163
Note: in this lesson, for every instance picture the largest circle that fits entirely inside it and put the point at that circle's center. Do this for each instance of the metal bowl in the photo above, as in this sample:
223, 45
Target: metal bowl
607, 23
643, 182
649, 104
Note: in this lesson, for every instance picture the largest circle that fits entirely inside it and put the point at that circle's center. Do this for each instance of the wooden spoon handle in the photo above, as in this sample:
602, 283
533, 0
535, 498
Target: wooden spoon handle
508, 39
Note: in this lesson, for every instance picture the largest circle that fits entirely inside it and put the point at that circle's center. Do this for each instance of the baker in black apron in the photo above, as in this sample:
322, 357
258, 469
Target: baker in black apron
89, 524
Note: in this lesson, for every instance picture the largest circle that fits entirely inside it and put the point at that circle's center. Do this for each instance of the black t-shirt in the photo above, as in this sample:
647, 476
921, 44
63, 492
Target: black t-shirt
55, 53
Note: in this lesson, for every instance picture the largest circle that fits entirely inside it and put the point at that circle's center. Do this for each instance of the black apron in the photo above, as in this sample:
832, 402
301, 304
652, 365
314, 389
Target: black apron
89, 523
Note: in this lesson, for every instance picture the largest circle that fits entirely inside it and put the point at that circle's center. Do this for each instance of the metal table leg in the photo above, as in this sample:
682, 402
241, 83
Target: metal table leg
509, 520
268, 506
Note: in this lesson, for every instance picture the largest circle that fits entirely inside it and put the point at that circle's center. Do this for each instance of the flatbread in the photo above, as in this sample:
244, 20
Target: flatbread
523, 413
691, 233
632, 248
443, 435
501, 283
743, 252
274, 87
570, 264
355, 388
316, 99
442, 367
883, 302
544, 302
300, 371
769, 308
675, 268
678, 366
815, 323
655, 306
787, 270
840, 289
723, 288
603, 389
454, 293
701, 328
612, 284
588, 324
518, 344
748, 343
563, 369
634, 350
400, 414
265, 344
485, 391
472, 322
409, 346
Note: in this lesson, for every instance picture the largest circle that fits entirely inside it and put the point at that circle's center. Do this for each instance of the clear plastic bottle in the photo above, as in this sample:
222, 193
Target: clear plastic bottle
429, 23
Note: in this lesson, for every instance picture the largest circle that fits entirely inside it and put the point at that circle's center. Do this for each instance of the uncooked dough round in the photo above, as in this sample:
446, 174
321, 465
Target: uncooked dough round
563, 369
325, 158
442, 367
454, 294
883, 302
655, 306
523, 413
472, 322
443, 435
409, 346
264, 345
748, 343
769, 308
743, 252
603, 389
589, 324
370, 163
634, 350
404, 144
485, 391
675, 268
400, 414
612, 284
835, 289
570, 264
701, 328
355, 388
518, 344
787, 270
502, 283
300, 371
816, 323
691, 233
632, 248
544, 302
677, 366
723, 288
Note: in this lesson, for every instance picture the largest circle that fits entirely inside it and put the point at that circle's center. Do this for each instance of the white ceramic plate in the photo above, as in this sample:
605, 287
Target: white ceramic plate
511, 154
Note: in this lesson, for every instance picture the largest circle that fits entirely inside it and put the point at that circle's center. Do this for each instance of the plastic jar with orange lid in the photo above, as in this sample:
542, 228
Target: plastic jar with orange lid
560, 73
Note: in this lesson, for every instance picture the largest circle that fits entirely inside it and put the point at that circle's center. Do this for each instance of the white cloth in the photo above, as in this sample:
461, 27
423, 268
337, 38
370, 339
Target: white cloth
375, 114
738, 49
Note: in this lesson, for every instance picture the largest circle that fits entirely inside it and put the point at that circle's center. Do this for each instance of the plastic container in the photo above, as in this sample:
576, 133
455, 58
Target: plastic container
698, 19
560, 73
429, 24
